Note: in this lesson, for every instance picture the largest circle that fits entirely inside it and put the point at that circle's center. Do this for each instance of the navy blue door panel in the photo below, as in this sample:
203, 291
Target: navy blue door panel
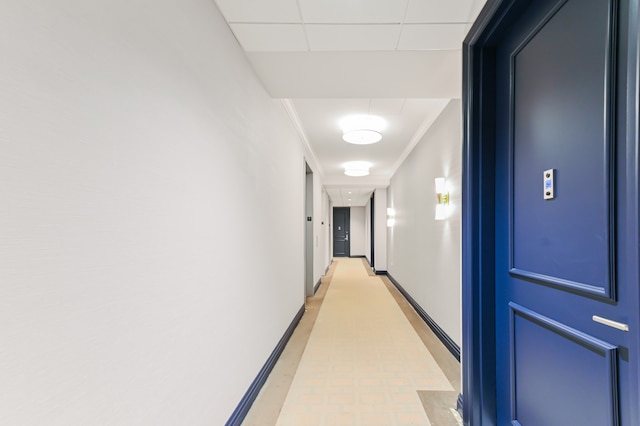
559, 90
561, 120
572, 368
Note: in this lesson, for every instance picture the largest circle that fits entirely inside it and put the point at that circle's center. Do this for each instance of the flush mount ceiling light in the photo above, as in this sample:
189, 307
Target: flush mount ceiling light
362, 136
357, 168
362, 129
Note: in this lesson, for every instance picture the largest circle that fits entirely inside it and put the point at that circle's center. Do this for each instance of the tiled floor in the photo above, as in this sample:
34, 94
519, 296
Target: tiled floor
361, 359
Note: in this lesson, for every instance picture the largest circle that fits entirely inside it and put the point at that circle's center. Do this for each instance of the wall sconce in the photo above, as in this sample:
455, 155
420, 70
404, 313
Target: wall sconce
442, 192
391, 217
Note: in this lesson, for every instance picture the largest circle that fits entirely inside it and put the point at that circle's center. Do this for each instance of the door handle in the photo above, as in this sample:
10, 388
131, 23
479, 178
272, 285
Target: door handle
610, 323
346, 237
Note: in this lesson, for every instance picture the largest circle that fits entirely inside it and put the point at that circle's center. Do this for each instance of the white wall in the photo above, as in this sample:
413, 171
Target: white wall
424, 254
148, 262
357, 228
380, 230
322, 215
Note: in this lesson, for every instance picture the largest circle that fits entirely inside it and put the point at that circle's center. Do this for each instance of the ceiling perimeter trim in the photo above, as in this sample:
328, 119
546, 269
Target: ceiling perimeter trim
297, 123
417, 137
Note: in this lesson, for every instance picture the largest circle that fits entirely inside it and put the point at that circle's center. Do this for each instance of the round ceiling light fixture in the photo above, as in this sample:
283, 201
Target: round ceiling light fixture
357, 168
362, 129
362, 136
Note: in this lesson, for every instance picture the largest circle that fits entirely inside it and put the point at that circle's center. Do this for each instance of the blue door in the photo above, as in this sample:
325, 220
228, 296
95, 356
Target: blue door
566, 287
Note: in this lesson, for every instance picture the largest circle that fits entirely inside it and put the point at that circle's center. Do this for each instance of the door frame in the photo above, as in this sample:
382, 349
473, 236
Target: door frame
478, 201
372, 231
308, 231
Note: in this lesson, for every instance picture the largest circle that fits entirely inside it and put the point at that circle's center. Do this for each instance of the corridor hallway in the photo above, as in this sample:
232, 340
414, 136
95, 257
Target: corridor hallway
360, 356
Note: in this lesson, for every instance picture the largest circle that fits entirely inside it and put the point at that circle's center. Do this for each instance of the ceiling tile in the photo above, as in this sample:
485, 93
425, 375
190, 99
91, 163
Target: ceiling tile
349, 197
341, 38
432, 36
353, 11
386, 106
271, 37
272, 11
441, 11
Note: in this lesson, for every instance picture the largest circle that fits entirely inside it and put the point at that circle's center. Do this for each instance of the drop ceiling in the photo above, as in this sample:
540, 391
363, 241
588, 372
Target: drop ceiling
399, 59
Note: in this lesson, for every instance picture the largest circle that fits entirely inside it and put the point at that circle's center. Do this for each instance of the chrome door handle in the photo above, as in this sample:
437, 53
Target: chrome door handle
610, 323
346, 237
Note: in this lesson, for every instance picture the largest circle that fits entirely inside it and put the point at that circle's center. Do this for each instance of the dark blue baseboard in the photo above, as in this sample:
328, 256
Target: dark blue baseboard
382, 273
250, 396
360, 256
444, 337
317, 286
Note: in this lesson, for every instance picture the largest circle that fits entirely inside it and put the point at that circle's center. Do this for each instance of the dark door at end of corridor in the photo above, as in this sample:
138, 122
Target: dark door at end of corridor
341, 218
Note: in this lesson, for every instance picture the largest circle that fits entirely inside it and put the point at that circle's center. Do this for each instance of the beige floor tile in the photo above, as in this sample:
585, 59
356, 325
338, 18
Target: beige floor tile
364, 360
368, 338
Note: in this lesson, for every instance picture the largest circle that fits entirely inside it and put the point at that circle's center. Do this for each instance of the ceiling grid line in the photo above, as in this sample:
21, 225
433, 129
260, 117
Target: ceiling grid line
404, 17
304, 26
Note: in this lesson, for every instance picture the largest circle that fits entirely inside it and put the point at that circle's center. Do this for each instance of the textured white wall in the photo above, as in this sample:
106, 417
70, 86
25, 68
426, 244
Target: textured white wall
323, 231
357, 228
424, 254
151, 214
380, 232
